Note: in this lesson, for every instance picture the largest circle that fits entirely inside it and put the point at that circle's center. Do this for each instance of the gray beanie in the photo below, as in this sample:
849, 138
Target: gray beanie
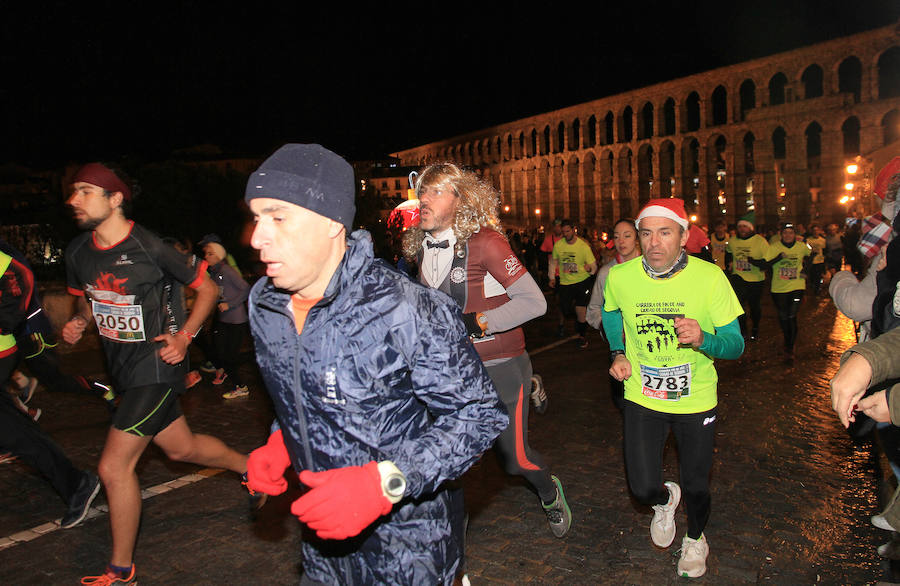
310, 176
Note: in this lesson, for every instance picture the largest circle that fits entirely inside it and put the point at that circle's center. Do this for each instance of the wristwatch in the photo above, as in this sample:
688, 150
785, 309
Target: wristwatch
614, 353
393, 482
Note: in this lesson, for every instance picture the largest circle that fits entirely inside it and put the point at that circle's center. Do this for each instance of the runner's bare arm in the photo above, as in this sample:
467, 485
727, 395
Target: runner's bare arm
207, 294
176, 346
74, 328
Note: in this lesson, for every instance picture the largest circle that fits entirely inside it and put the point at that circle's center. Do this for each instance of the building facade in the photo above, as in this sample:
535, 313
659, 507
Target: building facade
773, 135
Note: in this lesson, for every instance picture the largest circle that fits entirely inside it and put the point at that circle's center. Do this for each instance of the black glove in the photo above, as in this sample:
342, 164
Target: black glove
758, 262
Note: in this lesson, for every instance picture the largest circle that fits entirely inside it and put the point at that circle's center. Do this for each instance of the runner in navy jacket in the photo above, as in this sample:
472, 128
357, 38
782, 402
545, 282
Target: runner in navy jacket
380, 398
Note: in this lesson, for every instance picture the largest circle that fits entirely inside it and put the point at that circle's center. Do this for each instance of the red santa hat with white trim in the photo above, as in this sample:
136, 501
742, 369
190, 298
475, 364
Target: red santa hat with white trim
669, 207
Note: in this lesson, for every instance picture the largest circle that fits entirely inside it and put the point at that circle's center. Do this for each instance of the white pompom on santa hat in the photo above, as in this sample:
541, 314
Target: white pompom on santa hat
669, 207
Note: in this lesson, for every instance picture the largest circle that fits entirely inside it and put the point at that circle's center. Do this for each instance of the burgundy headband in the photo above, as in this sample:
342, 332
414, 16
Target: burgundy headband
102, 176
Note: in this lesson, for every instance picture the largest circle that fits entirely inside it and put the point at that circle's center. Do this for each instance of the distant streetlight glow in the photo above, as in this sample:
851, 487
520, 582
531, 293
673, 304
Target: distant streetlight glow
852, 168
537, 211
848, 186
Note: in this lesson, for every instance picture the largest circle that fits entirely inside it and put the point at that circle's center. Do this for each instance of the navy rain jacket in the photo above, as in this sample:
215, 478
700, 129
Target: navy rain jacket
382, 371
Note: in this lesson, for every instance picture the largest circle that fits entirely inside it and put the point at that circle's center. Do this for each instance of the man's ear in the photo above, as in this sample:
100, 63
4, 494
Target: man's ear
116, 199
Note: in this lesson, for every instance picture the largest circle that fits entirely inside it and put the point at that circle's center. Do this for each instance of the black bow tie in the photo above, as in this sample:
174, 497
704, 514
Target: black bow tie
441, 244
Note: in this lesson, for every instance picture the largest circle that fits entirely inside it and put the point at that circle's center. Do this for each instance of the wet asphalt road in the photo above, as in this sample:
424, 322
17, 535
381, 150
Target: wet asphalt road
792, 495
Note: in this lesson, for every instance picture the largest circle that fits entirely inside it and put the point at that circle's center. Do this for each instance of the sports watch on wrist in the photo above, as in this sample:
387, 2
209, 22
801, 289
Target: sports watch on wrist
393, 482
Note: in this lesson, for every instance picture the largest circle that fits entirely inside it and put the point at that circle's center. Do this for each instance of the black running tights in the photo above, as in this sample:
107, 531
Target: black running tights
646, 432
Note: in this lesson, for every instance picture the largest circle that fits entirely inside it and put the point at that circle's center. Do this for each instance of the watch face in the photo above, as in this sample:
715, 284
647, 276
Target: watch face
395, 485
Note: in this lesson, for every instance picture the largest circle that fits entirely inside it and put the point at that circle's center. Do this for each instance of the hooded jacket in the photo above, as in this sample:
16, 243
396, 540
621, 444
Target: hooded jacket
383, 370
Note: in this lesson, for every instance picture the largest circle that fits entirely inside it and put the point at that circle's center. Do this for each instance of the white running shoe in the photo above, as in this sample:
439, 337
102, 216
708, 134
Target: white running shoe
662, 527
693, 557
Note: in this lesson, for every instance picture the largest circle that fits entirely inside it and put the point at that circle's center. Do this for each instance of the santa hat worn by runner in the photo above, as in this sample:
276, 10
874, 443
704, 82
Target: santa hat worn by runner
883, 180
748, 218
670, 207
697, 240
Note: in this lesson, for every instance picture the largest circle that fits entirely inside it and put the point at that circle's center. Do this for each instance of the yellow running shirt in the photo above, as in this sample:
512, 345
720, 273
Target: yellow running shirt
666, 376
571, 259
741, 250
786, 276
718, 249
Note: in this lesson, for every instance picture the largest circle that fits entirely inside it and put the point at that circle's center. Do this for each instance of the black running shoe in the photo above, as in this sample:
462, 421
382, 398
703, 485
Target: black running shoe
81, 501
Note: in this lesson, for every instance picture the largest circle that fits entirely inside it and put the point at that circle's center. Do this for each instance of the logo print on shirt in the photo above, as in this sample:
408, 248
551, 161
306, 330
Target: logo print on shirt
511, 264
109, 282
656, 332
708, 420
123, 260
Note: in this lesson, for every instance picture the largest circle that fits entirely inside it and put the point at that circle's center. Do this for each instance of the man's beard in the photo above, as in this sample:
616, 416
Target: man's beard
88, 223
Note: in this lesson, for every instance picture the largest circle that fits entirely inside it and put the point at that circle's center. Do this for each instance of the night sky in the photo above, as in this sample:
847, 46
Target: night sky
84, 81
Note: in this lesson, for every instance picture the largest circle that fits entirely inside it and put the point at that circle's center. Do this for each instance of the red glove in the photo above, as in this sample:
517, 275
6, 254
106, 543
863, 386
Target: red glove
342, 502
266, 466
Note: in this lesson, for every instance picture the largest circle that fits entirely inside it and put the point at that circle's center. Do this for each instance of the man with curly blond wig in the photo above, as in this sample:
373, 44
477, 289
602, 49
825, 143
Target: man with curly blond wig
461, 250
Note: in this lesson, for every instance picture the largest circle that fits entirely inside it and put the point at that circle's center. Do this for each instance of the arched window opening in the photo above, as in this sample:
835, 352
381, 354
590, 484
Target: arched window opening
575, 136
690, 173
813, 145
779, 143
850, 132
667, 170
560, 138
749, 156
692, 105
850, 77
626, 133
719, 177
645, 129
592, 132
747, 96
776, 89
889, 74
812, 82
719, 106
545, 147
669, 117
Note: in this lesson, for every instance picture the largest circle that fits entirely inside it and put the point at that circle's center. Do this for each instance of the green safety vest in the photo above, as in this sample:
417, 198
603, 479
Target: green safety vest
7, 341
